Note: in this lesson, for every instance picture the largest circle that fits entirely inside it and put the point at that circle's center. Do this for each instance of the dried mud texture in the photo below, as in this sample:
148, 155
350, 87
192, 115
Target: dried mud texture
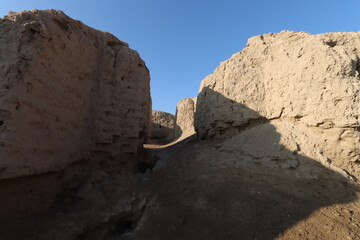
311, 82
68, 92
184, 117
162, 126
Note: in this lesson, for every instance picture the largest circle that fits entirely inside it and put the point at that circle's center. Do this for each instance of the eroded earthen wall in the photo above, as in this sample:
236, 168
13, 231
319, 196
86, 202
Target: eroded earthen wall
68, 92
311, 82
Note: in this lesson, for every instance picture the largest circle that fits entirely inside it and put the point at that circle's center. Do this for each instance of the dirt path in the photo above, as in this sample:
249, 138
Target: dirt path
197, 191
200, 192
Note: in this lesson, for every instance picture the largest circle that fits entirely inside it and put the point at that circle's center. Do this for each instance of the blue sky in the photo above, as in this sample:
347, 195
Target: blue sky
184, 41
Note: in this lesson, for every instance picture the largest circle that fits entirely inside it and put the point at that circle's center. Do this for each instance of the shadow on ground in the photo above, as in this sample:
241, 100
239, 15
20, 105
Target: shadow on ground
201, 192
211, 189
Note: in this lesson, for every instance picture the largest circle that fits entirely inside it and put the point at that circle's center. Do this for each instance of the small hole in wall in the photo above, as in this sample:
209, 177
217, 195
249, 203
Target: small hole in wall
32, 31
112, 43
331, 43
63, 24
144, 166
124, 226
1, 122
357, 69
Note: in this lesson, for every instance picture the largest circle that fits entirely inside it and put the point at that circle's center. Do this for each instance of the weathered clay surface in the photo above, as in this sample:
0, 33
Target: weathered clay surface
260, 182
285, 144
162, 126
67, 92
185, 111
295, 77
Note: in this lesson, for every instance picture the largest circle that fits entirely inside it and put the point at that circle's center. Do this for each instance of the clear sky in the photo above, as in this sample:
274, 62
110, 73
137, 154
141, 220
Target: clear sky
183, 41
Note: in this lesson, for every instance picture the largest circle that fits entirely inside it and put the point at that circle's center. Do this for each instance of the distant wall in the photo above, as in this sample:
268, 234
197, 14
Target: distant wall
185, 111
162, 126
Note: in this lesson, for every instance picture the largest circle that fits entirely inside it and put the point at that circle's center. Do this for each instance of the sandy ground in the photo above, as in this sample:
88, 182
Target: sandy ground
194, 191
202, 193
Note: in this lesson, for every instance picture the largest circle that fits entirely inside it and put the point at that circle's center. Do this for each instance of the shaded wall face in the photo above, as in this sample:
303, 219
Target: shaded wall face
312, 80
221, 117
291, 75
68, 92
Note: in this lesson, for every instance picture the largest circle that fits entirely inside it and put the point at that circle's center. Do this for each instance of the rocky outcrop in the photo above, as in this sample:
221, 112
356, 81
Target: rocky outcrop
309, 82
162, 126
185, 111
68, 92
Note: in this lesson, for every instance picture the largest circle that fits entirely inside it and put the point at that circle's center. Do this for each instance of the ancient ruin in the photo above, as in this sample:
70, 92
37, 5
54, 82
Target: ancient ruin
269, 149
